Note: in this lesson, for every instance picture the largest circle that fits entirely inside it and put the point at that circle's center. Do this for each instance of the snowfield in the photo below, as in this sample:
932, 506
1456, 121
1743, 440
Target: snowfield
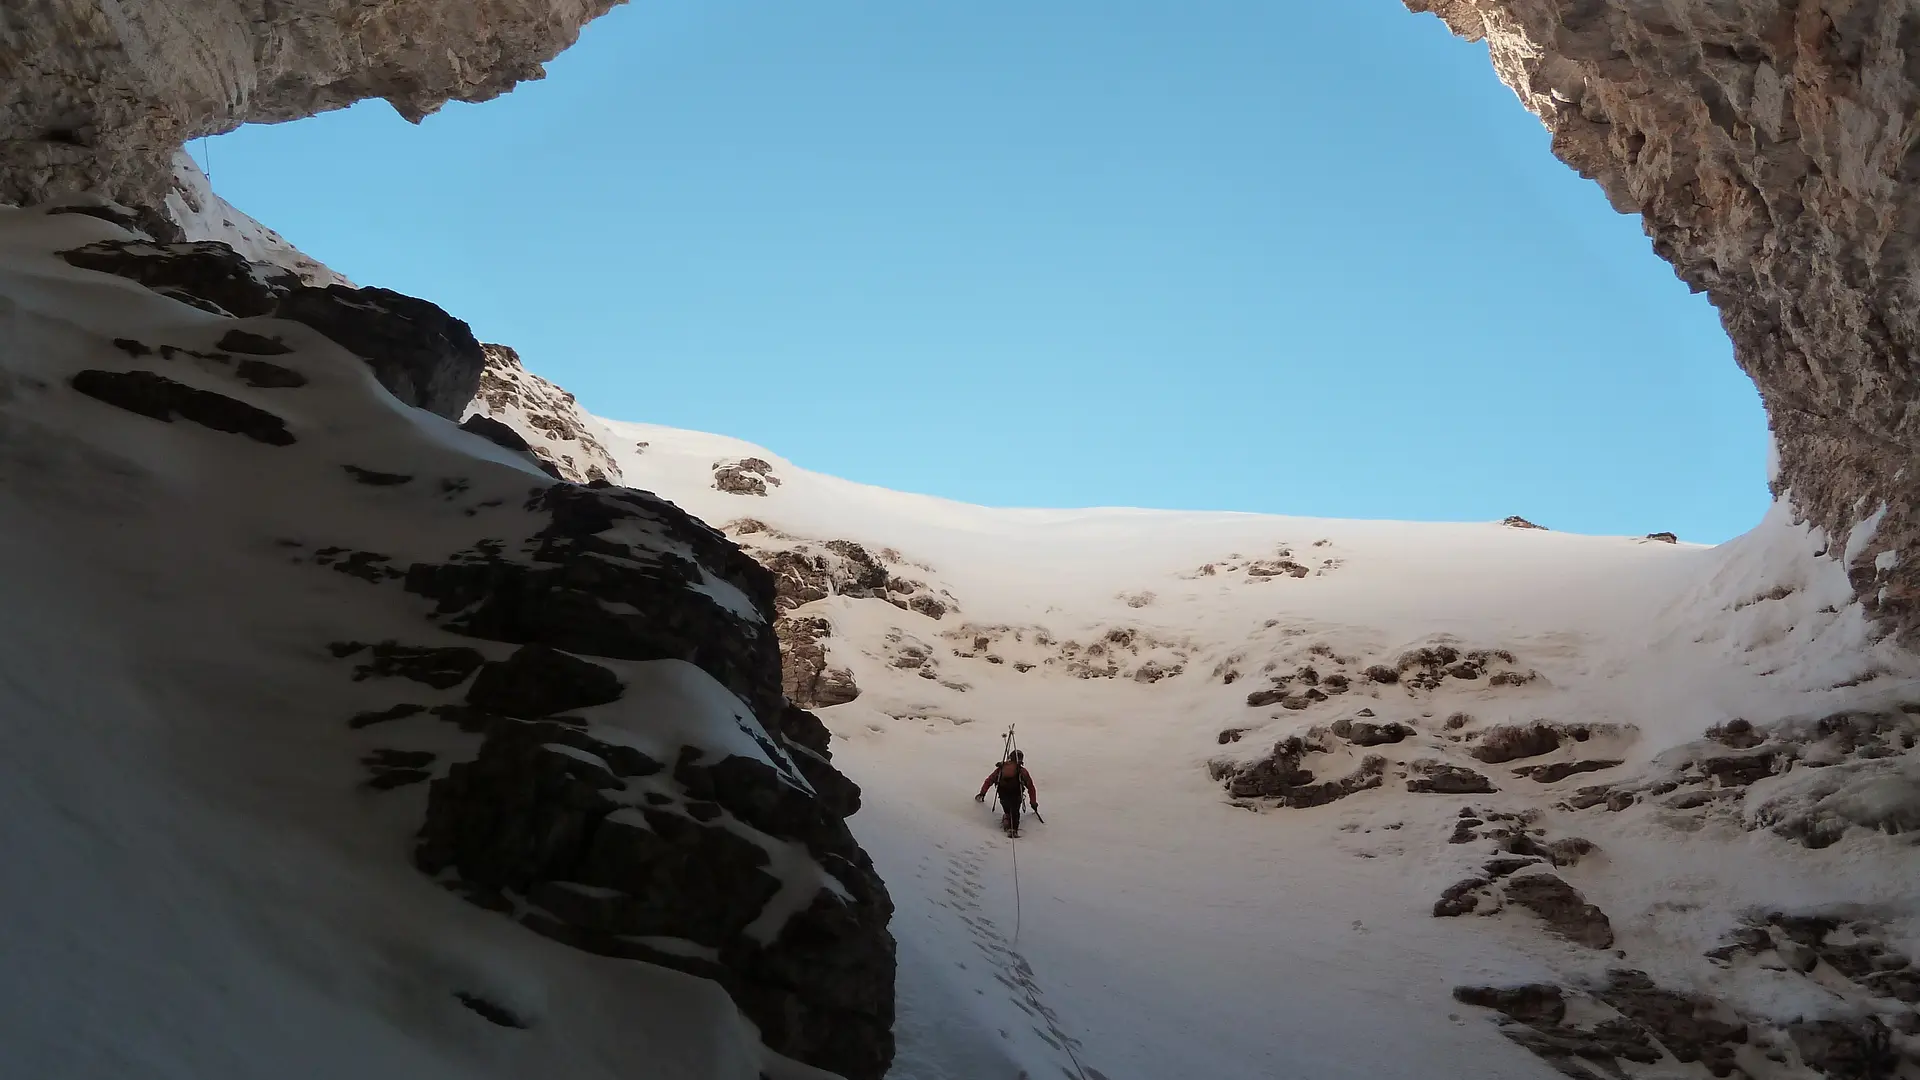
1304, 780
1166, 928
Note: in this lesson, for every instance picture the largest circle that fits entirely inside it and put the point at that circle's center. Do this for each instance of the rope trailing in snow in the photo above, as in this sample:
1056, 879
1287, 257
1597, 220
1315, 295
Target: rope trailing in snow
1066, 1041
1007, 746
1014, 846
1067, 1045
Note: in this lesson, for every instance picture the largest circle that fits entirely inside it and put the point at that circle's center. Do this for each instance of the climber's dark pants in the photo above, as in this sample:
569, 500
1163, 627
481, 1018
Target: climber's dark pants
1010, 805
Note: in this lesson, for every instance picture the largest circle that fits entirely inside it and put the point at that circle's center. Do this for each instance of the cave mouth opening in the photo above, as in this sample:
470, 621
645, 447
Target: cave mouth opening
1209, 280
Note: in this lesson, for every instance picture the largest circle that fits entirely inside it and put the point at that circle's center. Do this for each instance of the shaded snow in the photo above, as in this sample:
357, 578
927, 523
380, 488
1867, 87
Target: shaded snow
198, 887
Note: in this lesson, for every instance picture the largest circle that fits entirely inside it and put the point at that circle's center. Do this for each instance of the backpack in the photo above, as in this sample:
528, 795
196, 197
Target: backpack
1009, 787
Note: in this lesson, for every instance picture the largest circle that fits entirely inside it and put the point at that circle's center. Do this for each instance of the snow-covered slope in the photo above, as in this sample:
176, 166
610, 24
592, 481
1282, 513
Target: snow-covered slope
1227, 886
203, 215
273, 644
1326, 799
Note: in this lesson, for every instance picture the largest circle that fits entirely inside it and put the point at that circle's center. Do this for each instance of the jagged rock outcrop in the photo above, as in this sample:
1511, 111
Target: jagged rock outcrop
422, 355
549, 419
1772, 150
616, 855
736, 865
97, 98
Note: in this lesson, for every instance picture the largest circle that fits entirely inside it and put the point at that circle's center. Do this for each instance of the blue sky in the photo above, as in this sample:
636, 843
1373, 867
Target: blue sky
1227, 254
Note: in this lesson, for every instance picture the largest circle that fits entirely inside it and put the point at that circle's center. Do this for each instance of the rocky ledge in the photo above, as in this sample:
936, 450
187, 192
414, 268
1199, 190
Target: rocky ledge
687, 818
422, 355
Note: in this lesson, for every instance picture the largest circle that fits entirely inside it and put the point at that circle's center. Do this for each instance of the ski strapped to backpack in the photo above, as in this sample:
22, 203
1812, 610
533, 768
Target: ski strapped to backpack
1009, 746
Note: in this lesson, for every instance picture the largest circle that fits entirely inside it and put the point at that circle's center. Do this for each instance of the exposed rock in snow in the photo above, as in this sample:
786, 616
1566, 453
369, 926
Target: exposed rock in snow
748, 476
162, 398
616, 857
422, 355
591, 718
1768, 150
805, 674
547, 417
506, 438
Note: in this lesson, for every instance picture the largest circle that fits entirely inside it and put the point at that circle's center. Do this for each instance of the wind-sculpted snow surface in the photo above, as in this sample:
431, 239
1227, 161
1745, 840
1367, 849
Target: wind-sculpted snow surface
1333, 799
266, 629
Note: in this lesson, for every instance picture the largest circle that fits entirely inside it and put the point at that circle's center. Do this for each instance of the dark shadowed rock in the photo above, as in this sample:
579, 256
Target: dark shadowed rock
606, 846
1560, 770
163, 399
220, 278
1518, 522
1569, 850
545, 811
594, 597
1533, 1003
371, 717
1280, 776
495, 432
538, 680
1449, 780
490, 1012
1510, 742
1663, 537
1567, 1049
422, 355
1737, 734
240, 341
802, 729
1688, 1026
375, 478
1459, 898
1363, 733
506, 438
1739, 770
1507, 864
259, 373
1860, 1047
1561, 906
440, 668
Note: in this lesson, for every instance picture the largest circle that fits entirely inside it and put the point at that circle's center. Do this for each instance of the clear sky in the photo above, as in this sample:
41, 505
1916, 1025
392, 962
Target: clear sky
1222, 254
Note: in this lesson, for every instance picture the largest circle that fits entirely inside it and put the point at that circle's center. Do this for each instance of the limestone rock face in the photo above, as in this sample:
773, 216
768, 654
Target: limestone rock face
1771, 149
96, 97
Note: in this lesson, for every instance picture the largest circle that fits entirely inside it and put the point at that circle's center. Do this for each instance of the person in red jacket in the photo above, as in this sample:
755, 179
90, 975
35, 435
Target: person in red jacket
1010, 776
